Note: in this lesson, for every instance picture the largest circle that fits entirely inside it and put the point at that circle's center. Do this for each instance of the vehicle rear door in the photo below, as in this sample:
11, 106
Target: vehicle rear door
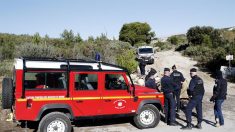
86, 94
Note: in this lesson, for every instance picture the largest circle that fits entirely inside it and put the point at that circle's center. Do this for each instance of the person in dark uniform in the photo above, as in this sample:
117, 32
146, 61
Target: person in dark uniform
219, 95
178, 79
142, 65
168, 89
97, 56
151, 72
196, 92
150, 79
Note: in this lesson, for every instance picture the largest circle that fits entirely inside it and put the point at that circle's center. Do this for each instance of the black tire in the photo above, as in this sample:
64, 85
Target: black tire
61, 118
138, 119
152, 61
7, 93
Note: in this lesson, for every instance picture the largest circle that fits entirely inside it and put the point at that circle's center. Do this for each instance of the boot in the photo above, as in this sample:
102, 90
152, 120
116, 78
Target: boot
199, 126
188, 127
173, 124
217, 122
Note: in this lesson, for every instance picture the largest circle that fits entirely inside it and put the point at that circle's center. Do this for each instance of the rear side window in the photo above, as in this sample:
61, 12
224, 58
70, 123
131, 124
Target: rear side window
86, 81
45, 80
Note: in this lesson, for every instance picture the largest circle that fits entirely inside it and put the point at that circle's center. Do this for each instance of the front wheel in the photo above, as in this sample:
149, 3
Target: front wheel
55, 122
148, 117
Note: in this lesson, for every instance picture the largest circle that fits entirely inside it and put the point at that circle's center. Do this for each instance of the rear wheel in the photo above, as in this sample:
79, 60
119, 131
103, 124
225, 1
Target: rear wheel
7, 93
55, 122
148, 117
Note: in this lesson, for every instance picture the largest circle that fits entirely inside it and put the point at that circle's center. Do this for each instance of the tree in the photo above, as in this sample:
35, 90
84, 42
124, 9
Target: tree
196, 35
46, 39
90, 39
78, 38
207, 40
68, 37
136, 32
36, 38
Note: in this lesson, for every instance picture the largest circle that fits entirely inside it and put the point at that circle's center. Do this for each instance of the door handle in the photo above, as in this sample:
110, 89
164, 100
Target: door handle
107, 100
79, 101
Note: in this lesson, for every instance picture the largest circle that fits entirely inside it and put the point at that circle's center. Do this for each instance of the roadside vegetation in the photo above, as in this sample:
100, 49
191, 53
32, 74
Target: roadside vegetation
68, 46
207, 45
72, 46
210, 46
163, 46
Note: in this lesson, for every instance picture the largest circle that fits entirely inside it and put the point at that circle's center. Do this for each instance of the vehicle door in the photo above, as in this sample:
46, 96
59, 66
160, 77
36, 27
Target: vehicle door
116, 97
86, 93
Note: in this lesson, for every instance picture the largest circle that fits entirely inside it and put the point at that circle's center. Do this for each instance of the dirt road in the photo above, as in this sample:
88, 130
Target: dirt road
166, 59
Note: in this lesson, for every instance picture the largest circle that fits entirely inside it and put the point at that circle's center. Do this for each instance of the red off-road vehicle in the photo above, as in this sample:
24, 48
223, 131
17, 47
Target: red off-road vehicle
57, 92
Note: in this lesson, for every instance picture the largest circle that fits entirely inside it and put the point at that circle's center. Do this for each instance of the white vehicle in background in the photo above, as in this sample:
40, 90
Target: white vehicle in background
147, 53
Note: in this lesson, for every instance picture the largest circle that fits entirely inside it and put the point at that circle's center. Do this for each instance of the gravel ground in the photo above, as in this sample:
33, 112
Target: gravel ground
164, 59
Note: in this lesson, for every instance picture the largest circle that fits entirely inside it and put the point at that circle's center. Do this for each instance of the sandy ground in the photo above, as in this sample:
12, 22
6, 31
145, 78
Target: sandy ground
164, 59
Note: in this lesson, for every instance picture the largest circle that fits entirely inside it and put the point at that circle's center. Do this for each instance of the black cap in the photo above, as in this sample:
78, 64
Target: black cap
173, 67
166, 69
193, 70
152, 71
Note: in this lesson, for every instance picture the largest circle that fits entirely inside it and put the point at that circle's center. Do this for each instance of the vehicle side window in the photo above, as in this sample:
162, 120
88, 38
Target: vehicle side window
115, 82
86, 81
45, 80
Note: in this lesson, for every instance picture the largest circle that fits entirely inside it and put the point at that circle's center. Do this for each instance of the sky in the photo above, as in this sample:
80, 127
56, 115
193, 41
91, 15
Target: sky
93, 17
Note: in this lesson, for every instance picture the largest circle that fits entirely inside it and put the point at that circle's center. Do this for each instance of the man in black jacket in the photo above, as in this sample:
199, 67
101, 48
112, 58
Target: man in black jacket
219, 95
142, 65
196, 92
168, 89
150, 79
178, 79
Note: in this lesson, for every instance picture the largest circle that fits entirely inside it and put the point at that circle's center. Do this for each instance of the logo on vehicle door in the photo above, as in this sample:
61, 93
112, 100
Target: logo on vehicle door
119, 104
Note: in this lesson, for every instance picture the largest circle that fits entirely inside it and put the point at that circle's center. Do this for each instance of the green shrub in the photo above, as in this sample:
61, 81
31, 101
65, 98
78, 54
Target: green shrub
127, 60
12, 46
212, 58
6, 67
163, 46
7, 51
36, 50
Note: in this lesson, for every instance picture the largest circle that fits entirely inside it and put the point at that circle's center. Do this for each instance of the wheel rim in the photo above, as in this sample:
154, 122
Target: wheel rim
56, 126
147, 117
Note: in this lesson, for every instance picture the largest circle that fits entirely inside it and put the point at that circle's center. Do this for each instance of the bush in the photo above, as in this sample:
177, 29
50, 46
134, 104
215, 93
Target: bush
36, 50
163, 46
106, 48
110, 50
6, 67
7, 51
127, 60
207, 57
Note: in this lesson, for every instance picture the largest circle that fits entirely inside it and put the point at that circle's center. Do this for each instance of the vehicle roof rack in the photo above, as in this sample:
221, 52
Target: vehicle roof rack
70, 60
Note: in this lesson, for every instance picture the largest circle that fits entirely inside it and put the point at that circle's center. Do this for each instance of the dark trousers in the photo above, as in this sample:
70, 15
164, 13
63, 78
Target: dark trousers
195, 101
218, 111
142, 69
177, 98
169, 108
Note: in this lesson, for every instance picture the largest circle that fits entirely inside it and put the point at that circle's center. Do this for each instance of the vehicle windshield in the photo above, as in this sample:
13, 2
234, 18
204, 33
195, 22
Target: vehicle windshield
145, 50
